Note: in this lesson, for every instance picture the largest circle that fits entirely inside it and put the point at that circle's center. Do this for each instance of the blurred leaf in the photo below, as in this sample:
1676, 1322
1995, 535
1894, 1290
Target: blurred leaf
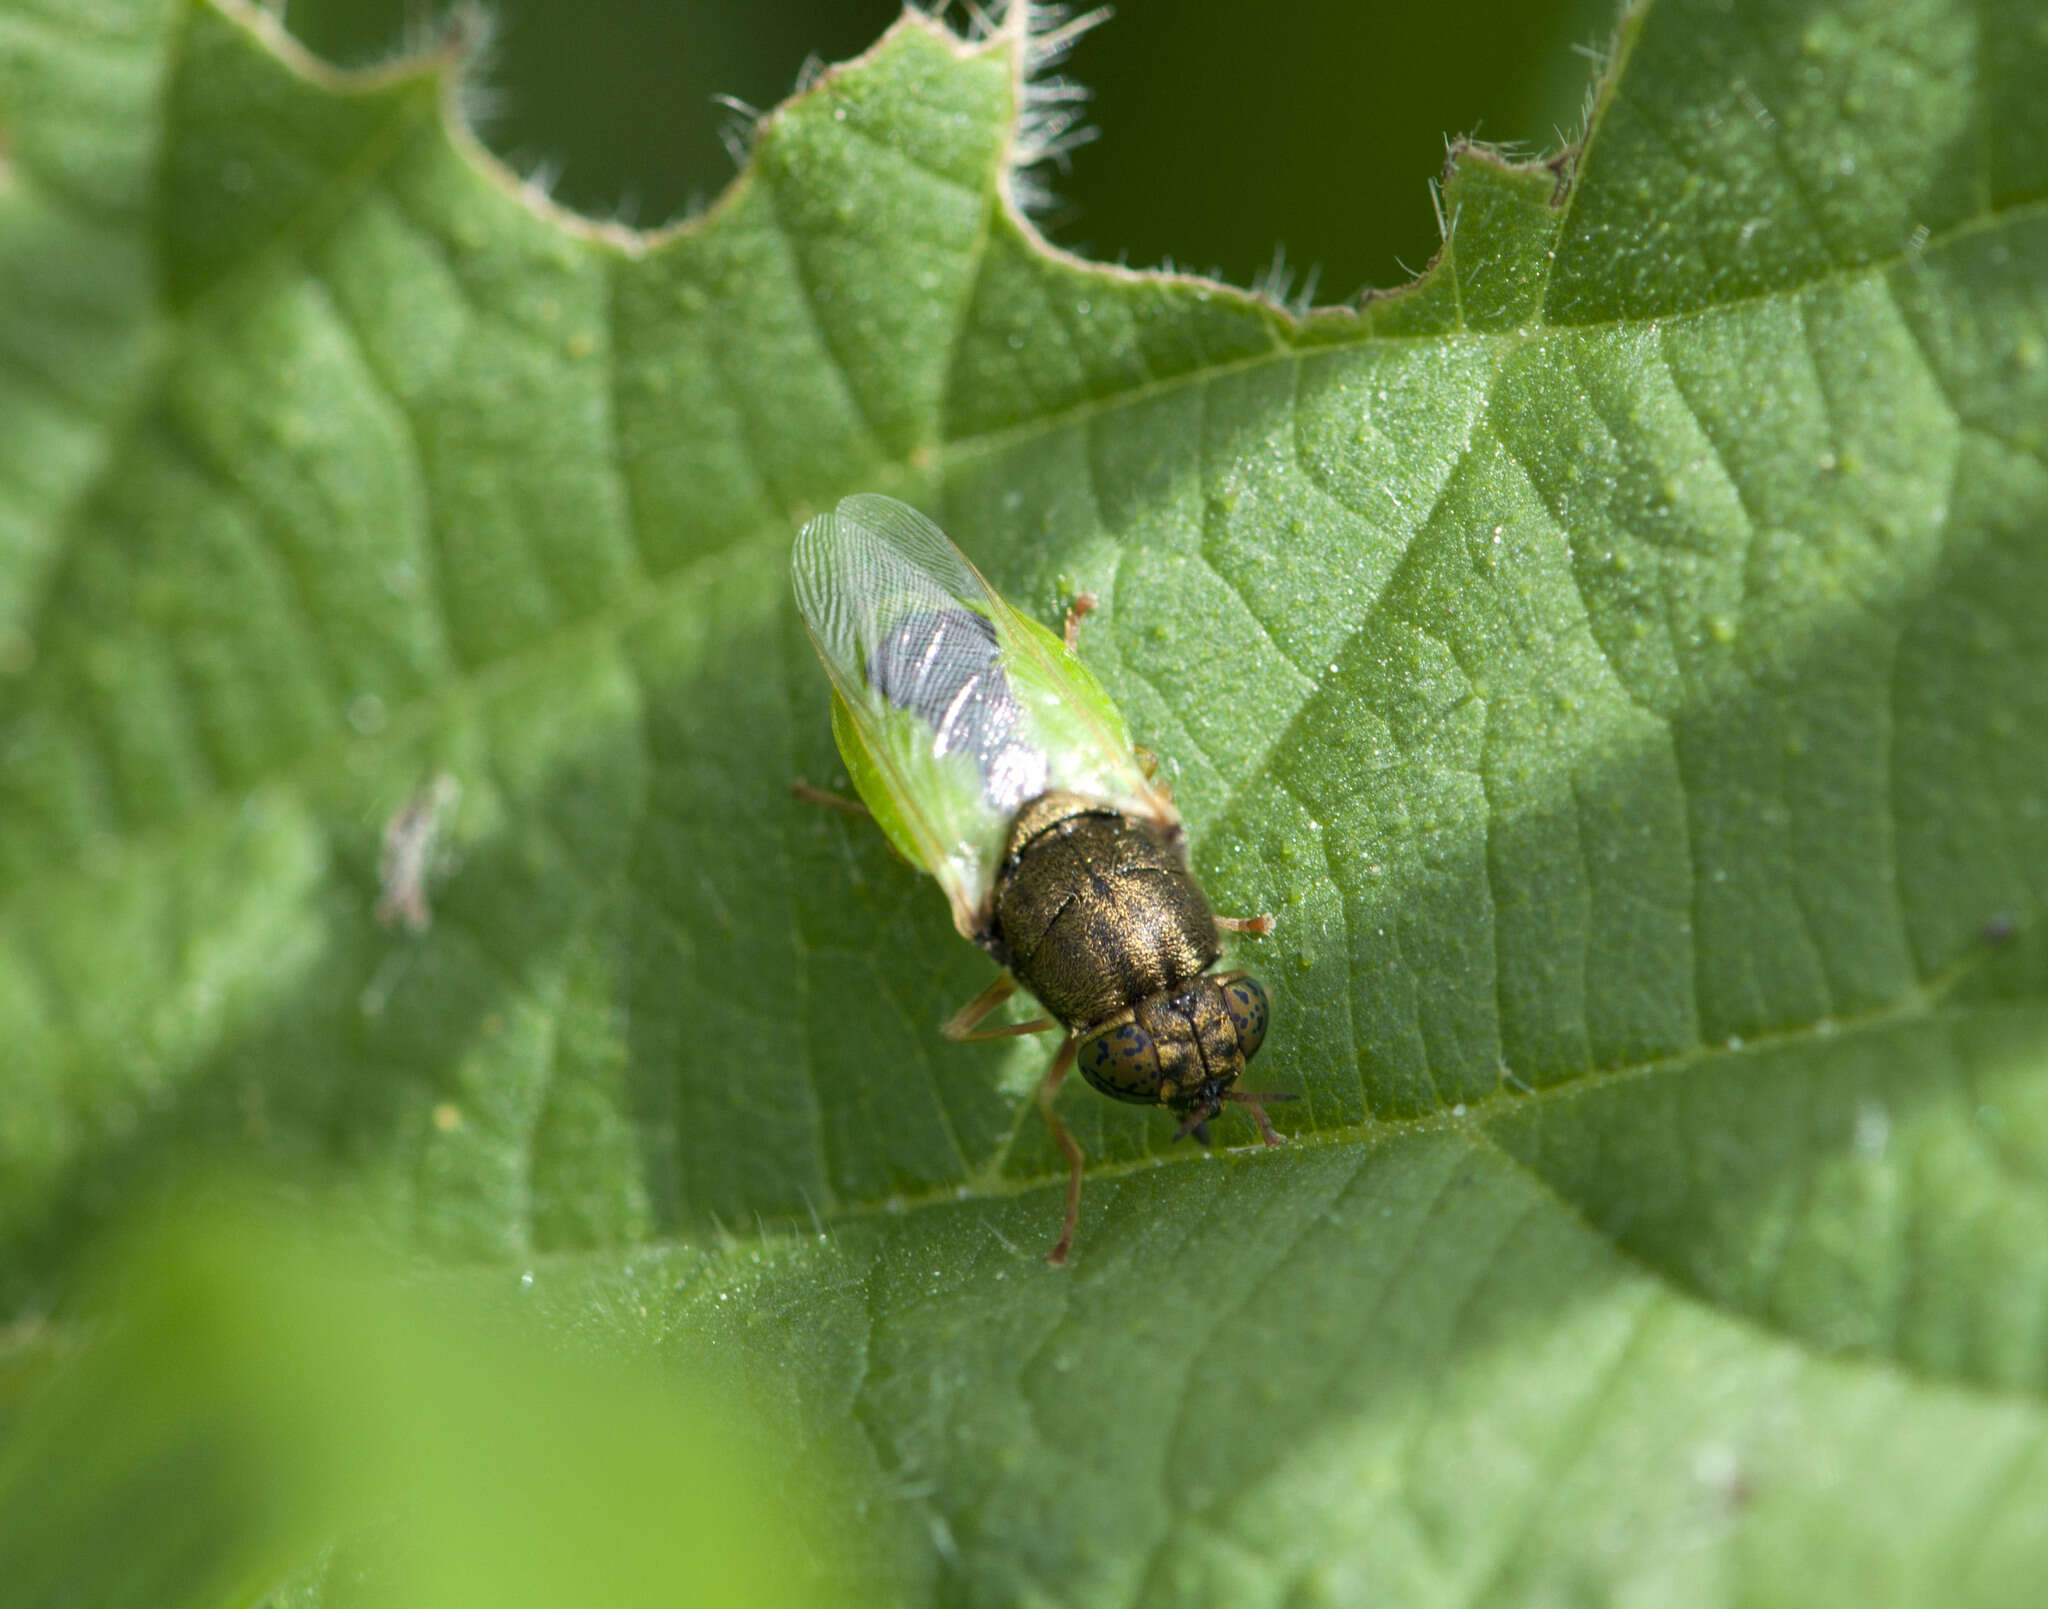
1619, 659
259, 1386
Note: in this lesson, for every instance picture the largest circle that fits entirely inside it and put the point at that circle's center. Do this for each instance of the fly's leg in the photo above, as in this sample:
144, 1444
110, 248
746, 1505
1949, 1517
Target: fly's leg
962, 1024
1048, 1087
801, 789
1267, 1132
1077, 611
1256, 1099
1148, 768
1260, 925
827, 800
1197, 1122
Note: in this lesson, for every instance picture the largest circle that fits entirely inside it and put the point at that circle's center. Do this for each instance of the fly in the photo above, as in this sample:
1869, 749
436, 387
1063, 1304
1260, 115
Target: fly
991, 758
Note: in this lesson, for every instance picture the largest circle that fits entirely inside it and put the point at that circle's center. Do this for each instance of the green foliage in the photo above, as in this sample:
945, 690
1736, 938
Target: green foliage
1618, 660
260, 1383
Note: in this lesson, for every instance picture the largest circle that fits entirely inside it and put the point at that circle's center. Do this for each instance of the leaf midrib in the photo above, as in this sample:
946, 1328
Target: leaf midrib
1925, 1005
636, 605
1926, 1002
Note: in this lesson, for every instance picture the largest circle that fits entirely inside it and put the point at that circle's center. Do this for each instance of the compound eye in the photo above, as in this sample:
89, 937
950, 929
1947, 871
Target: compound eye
1246, 1003
1122, 1062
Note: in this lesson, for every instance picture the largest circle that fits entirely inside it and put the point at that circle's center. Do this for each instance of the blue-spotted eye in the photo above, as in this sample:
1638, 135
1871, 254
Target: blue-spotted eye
1246, 1003
1121, 1060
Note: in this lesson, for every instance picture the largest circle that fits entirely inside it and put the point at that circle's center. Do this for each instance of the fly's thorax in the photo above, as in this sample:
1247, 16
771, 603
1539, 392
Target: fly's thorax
1096, 910
1182, 1048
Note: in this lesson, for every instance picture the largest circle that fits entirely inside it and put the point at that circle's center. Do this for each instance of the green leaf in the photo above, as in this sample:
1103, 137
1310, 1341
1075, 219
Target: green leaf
261, 1382
1619, 659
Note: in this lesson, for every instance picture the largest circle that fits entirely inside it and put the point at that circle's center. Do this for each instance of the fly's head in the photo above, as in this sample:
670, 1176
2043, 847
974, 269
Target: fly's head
1182, 1049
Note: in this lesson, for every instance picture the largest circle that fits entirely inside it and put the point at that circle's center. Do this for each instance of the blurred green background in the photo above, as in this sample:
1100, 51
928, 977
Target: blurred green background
1227, 129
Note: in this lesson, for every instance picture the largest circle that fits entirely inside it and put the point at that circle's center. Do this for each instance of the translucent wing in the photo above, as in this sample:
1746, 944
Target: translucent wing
952, 709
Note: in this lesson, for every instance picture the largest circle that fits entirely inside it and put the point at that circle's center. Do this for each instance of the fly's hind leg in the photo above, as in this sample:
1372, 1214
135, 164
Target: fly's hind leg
1048, 1087
801, 789
962, 1025
1077, 611
1149, 769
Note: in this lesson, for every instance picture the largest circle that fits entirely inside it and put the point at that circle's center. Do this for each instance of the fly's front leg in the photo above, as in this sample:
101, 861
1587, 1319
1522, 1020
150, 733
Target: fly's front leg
1254, 1101
1080, 609
962, 1024
1048, 1087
